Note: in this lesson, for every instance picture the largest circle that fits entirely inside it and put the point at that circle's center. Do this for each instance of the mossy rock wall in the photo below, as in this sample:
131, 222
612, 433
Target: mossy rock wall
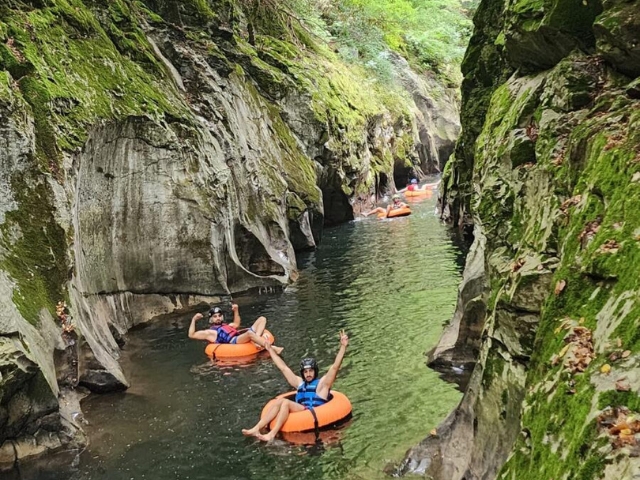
156, 155
555, 173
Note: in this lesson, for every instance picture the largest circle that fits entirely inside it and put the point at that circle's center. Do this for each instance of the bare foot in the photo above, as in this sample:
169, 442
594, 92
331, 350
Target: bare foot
251, 432
265, 438
278, 350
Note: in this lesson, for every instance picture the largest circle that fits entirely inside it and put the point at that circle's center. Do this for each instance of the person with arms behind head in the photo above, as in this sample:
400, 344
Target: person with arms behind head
394, 205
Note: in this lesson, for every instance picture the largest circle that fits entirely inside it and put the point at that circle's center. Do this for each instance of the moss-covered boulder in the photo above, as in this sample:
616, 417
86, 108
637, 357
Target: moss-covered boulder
617, 33
538, 34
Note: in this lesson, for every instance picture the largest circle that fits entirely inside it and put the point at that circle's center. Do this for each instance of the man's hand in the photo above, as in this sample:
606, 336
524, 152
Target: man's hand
234, 307
344, 338
198, 316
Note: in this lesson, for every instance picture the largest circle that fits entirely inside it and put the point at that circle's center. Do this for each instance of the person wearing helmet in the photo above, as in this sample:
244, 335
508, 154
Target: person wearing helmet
413, 186
221, 332
311, 390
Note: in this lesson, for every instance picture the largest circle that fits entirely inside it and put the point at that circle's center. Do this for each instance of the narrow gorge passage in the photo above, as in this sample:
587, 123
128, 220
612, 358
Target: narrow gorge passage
391, 284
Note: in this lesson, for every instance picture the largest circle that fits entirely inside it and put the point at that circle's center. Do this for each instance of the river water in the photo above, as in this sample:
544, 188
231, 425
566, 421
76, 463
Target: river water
390, 284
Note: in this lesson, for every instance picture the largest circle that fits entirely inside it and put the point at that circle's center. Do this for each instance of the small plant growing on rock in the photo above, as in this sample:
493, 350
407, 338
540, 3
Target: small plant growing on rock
62, 311
622, 426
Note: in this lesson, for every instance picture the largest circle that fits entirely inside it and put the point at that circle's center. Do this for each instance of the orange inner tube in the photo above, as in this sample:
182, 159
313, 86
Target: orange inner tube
418, 193
337, 409
232, 350
396, 212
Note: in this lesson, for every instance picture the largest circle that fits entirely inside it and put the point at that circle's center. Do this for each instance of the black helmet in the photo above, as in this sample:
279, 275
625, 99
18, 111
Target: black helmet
309, 363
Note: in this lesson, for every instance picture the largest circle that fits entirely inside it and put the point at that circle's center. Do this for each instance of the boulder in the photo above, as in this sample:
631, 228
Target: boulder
617, 32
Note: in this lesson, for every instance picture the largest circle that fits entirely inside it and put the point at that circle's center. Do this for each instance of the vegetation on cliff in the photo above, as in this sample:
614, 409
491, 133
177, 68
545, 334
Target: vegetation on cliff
549, 169
431, 35
71, 72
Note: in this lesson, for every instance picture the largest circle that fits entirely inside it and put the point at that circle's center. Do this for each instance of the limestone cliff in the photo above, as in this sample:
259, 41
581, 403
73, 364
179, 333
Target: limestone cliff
156, 155
548, 170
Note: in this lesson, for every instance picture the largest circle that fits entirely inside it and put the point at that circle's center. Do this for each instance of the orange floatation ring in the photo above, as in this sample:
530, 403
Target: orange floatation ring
336, 410
425, 191
396, 212
233, 350
418, 193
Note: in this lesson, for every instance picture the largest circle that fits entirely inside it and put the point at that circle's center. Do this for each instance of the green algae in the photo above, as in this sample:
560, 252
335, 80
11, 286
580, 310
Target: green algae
592, 154
6, 92
36, 247
588, 271
71, 81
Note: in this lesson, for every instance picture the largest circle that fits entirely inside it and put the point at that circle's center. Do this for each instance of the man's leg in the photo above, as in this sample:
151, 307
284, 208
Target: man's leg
286, 408
249, 336
375, 210
259, 326
271, 414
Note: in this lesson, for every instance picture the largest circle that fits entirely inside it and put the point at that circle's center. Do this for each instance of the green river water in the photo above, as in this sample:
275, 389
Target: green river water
391, 284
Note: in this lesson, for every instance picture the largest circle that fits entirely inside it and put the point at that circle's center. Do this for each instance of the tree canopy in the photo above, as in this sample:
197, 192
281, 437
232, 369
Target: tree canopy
431, 34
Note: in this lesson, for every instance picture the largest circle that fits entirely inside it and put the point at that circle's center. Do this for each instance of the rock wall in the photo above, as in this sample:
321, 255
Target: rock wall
155, 156
552, 183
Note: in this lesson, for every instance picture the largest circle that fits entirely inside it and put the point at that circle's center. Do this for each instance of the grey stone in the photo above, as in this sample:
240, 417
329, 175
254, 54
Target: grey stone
617, 32
7, 455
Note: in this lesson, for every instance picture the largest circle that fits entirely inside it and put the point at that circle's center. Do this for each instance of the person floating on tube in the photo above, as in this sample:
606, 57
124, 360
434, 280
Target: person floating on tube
221, 332
311, 391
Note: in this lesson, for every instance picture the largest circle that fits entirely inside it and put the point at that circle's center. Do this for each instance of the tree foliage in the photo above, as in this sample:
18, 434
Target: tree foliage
431, 34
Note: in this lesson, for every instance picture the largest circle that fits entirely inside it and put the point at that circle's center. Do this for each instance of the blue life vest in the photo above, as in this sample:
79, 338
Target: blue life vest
306, 394
225, 333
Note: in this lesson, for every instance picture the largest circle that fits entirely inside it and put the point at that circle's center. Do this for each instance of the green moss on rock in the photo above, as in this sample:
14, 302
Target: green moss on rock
72, 73
36, 249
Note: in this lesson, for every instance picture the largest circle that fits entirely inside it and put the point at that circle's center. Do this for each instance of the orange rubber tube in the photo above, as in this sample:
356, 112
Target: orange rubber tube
338, 408
232, 350
396, 212
418, 193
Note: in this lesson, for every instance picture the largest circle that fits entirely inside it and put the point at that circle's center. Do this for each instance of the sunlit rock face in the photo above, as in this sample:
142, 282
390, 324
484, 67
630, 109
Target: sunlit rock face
437, 118
153, 159
551, 181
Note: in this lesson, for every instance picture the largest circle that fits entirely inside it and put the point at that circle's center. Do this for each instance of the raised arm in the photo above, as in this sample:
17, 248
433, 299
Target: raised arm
236, 316
209, 335
291, 377
330, 376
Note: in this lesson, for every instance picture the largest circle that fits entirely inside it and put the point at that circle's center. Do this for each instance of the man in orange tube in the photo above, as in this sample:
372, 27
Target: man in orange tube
412, 186
311, 390
220, 332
